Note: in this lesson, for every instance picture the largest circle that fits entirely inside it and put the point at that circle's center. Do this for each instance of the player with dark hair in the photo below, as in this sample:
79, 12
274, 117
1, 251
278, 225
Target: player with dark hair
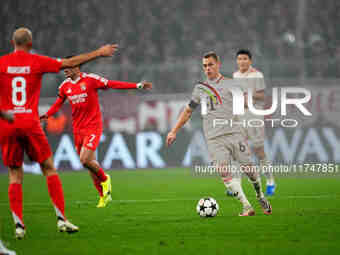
81, 90
212, 54
244, 52
20, 77
226, 144
255, 135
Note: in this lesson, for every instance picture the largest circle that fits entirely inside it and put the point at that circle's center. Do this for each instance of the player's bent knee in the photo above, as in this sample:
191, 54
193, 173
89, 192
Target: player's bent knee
250, 170
85, 161
47, 167
259, 151
227, 180
47, 171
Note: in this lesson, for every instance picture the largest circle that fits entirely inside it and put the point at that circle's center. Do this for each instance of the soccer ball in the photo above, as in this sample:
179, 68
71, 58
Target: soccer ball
207, 207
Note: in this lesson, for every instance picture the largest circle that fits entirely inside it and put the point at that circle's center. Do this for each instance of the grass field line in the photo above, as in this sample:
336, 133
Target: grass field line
163, 200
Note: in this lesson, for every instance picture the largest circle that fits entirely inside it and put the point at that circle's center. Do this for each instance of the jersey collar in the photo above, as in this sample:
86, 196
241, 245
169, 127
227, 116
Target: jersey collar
20, 51
78, 79
217, 80
246, 72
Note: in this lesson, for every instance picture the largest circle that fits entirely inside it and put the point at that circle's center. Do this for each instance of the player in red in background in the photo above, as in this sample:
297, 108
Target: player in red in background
20, 82
81, 91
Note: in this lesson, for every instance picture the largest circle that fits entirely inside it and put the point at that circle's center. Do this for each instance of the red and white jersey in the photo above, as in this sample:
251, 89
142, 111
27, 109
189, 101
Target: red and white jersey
83, 97
20, 82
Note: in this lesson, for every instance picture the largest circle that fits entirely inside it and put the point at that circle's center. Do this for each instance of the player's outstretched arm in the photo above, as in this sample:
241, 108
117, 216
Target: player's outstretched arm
183, 118
129, 85
104, 51
145, 85
7, 116
53, 109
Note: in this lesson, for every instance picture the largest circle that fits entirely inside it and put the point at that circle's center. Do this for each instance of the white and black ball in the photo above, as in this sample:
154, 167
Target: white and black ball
207, 207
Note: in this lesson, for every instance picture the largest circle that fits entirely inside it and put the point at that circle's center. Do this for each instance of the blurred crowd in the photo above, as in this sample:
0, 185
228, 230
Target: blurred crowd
164, 40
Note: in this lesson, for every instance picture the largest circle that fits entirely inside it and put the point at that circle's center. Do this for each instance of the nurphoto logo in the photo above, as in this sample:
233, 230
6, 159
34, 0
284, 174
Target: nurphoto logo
239, 107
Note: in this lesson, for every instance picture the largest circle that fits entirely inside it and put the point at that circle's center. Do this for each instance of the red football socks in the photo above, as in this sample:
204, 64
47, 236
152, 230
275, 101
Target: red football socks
96, 183
15, 201
55, 190
101, 175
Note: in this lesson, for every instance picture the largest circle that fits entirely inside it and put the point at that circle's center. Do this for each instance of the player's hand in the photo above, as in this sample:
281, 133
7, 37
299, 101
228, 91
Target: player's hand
170, 138
43, 117
7, 116
108, 50
147, 85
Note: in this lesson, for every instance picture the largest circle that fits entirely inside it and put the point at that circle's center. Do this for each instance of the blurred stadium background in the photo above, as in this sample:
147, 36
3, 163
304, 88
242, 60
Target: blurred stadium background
294, 43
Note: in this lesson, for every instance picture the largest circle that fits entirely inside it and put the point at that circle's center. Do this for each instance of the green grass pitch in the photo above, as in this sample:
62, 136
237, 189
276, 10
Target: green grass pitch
153, 212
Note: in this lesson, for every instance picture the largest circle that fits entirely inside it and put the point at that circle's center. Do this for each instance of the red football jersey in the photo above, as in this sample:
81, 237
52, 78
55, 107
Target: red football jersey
83, 98
20, 82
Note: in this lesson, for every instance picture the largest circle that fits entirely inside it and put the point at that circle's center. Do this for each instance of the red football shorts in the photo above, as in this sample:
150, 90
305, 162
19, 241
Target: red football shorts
23, 136
89, 140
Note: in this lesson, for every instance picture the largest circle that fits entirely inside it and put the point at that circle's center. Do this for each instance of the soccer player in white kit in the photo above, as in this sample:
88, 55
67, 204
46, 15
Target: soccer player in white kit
225, 143
255, 135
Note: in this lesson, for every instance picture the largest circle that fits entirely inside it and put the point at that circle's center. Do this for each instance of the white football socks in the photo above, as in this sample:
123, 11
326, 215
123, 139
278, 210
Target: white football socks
255, 179
264, 164
234, 186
